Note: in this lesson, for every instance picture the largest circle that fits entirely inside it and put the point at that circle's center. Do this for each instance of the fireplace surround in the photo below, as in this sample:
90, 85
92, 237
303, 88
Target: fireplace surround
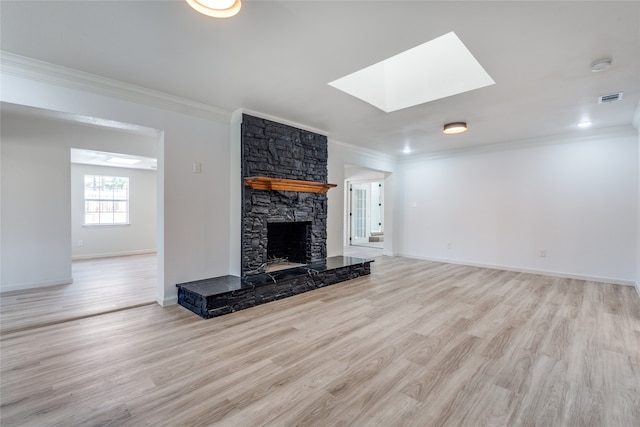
276, 151
284, 215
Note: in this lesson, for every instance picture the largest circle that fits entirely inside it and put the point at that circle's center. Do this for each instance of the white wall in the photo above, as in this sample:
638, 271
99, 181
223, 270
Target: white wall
236, 184
341, 155
137, 237
193, 220
576, 200
638, 218
36, 226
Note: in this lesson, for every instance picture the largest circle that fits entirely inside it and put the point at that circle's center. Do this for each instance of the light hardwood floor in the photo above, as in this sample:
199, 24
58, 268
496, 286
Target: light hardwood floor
416, 343
99, 285
369, 252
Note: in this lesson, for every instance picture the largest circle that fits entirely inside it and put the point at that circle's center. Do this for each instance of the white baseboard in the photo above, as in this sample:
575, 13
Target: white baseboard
114, 254
638, 288
167, 301
529, 270
33, 285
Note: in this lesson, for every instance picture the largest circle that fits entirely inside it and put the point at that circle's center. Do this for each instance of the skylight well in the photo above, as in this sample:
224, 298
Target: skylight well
433, 70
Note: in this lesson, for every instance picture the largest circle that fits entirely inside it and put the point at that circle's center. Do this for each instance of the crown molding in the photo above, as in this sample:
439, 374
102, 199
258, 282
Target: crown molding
33, 69
365, 151
574, 137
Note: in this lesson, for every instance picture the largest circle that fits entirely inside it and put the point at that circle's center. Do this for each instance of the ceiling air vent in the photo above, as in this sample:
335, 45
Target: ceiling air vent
610, 98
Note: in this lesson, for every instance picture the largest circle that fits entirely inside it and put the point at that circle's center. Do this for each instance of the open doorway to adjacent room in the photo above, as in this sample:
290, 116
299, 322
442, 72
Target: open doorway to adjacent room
364, 212
95, 267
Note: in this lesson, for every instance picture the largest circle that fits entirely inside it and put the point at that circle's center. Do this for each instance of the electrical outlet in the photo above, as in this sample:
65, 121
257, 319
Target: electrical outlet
543, 253
80, 243
449, 246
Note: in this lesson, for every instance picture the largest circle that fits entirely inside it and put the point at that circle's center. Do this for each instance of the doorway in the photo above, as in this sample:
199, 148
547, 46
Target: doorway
32, 133
364, 212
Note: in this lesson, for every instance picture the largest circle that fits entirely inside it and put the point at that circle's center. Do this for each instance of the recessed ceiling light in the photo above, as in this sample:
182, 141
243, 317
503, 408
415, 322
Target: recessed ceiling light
406, 150
584, 124
122, 161
600, 65
216, 8
452, 128
433, 70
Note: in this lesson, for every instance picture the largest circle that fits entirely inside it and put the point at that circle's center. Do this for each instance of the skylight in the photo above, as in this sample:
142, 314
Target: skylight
123, 161
433, 70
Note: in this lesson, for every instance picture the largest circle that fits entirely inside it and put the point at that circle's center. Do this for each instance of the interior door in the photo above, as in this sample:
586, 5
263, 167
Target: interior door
359, 214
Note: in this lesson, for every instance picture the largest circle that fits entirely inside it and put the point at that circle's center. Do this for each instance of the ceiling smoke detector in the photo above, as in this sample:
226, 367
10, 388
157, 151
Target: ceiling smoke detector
613, 97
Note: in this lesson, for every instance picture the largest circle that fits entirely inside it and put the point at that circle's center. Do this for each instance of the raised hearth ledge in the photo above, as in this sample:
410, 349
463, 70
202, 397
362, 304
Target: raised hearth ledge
222, 295
281, 184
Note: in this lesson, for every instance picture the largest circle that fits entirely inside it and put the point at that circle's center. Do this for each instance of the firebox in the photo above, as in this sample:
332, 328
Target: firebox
288, 243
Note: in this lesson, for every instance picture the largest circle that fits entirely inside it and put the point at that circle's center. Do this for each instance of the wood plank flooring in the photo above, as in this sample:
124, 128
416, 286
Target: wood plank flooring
416, 343
99, 285
369, 252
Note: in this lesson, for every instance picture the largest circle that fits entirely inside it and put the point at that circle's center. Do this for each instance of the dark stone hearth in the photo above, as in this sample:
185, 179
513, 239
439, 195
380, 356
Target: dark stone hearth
222, 295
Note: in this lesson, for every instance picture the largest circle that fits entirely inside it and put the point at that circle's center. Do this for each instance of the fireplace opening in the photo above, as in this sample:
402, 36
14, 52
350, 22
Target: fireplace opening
288, 245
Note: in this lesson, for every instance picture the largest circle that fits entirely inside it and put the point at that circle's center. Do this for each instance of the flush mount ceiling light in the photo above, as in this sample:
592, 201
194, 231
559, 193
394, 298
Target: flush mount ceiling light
600, 65
452, 128
216, 8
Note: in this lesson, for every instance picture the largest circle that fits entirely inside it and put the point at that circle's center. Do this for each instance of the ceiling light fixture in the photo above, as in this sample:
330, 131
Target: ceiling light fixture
600, 65
216, 8
585, 124
452, 128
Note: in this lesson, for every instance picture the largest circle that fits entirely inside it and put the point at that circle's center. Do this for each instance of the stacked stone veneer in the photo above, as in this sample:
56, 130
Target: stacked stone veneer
276, 150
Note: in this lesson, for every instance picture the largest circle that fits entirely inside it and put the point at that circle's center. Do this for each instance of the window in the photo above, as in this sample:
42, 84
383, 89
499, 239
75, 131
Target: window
106, 200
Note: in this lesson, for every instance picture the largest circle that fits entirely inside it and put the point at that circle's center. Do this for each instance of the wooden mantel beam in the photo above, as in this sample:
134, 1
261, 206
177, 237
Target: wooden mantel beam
281, 184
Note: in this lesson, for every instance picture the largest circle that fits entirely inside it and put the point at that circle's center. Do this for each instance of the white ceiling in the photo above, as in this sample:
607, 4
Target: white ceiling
277, 58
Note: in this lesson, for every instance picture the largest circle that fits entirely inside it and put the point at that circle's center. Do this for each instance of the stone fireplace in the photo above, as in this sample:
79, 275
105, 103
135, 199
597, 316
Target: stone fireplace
278, 151
284, 217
